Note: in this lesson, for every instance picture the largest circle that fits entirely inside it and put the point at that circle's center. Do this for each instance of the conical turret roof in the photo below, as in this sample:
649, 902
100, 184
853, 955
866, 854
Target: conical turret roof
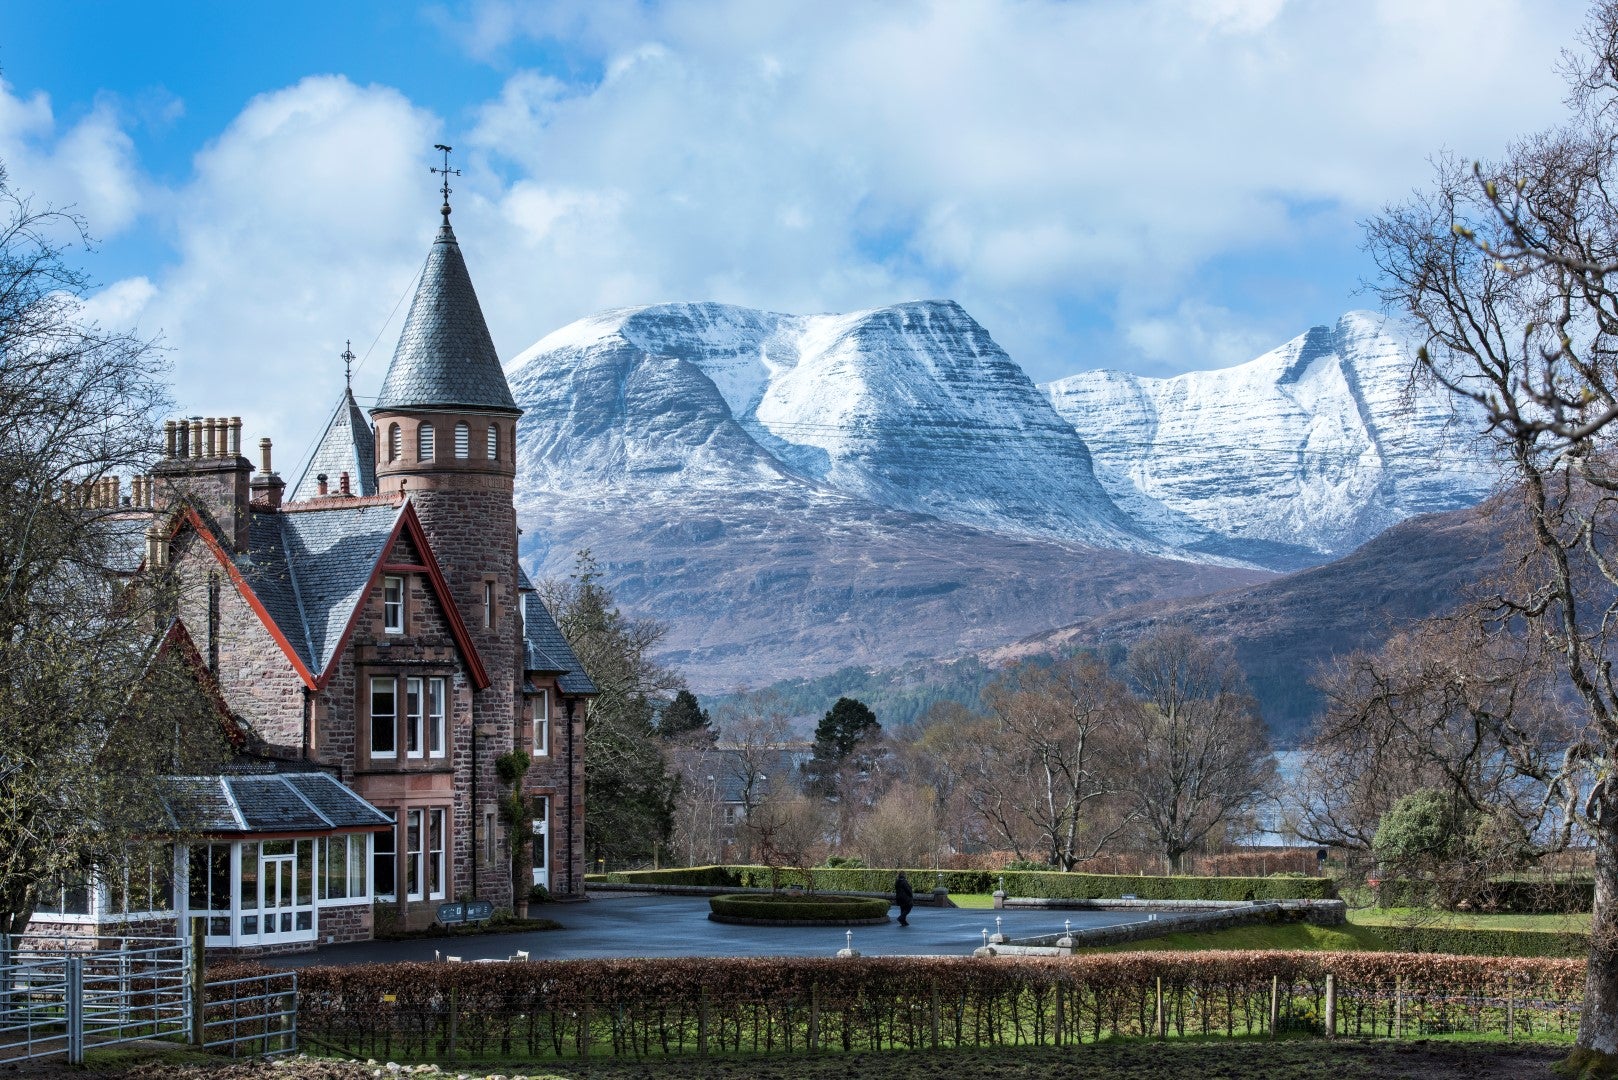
445, 357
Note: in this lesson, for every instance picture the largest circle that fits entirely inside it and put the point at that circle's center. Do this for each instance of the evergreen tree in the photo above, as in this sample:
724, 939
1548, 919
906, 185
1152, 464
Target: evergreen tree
683, 716
629, 792
846, 724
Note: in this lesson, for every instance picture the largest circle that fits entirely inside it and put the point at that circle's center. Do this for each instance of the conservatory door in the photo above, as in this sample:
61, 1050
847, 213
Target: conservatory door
542, 844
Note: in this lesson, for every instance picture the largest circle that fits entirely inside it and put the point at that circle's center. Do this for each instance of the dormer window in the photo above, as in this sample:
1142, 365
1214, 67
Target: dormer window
463, 441
395, 442
393, 619
424, 443
494, 442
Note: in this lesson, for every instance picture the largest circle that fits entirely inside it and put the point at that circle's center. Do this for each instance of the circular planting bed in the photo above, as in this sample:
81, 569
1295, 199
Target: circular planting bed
789, 909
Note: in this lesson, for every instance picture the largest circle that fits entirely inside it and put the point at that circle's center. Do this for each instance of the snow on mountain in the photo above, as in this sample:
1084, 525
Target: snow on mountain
911, 407
1303, 453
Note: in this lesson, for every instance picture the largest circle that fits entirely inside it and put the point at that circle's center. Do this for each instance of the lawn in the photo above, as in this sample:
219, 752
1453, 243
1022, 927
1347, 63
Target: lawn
1265, 936
1465, 920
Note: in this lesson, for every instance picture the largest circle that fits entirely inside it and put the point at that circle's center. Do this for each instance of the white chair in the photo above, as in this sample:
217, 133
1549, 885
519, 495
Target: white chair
452, 959
521, 956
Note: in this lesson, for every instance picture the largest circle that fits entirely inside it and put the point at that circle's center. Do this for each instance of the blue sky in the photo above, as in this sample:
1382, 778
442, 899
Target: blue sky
1158, 185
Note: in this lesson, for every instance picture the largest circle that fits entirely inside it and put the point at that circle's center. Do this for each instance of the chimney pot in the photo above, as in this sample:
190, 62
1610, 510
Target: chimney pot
195, 449
342, 483
171, 439
235, 436
264, 456
321, 479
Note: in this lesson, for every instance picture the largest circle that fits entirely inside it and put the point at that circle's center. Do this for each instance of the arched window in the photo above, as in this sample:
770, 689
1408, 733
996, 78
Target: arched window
463, 440
424, 443
394, 442
494, 442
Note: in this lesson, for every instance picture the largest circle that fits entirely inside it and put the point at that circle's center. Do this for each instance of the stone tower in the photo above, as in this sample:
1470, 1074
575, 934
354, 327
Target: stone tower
445, 429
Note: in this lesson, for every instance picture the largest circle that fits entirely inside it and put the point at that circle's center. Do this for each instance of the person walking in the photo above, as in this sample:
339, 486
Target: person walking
904, 896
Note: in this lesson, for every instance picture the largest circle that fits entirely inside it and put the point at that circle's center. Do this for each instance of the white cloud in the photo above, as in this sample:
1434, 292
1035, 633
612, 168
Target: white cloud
88, 167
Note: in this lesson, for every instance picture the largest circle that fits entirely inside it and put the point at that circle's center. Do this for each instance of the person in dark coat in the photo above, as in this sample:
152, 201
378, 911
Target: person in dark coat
905, 897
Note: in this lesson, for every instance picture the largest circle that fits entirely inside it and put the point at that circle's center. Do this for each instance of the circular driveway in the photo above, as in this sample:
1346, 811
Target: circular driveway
619, 924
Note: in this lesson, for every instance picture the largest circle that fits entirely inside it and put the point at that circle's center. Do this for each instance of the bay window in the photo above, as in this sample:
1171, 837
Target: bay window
384, 718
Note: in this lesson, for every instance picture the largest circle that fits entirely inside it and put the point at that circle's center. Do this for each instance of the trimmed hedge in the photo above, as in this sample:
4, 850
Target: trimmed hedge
1483, 942
1037, 884
1518, 897
808, 909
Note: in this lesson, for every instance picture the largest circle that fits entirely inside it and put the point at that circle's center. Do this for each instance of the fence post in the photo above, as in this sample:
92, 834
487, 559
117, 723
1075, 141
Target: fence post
197, 981
1331, 1005
1511, 1007
1061, 1011
933, 1013
702, 1022
1275, 1004
454, 1014
75, 1009
814, 1017
1398, 1006
1162, 1031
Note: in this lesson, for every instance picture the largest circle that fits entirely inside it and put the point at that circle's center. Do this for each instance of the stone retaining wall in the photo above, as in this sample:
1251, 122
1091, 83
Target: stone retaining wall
1172, 917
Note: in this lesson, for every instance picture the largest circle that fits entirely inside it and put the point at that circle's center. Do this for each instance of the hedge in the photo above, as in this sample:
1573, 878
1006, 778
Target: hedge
1520, 897
1047, 885
1483, 942
814, 908
655, 1007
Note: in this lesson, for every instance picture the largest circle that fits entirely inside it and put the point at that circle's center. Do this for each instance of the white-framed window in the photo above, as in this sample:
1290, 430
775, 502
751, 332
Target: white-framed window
209, 892
140, 887
395, 442
424, 443
393, 605
435, 853
342, 874
415, 854
436, 718
494, 442
542, 840
384, 862
384, 717
488, 605
415, 719
463, 440
68, 899
542, 724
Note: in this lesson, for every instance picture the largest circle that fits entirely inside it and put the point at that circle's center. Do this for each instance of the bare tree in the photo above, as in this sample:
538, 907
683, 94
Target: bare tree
900, 829
699, 811
1197, 754
1507, 270
1045, 764
92, 713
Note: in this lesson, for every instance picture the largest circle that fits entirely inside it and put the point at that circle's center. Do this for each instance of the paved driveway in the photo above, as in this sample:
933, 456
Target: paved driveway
613, 924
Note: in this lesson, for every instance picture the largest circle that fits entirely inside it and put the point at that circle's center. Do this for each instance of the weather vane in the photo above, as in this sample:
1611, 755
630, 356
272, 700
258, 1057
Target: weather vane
447, 172
348, 364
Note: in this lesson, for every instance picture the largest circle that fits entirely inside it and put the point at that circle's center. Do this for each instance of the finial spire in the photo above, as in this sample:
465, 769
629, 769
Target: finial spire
446, 172
348, 364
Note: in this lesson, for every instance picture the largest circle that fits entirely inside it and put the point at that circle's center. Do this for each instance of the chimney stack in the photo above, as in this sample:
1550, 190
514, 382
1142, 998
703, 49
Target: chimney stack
321, 478
203, 463
342, 483
267, 486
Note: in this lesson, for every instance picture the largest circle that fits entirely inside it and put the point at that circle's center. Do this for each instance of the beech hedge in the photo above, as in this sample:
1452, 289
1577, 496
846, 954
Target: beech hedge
649, 1007
1483, 942
1519, 897
1039, 884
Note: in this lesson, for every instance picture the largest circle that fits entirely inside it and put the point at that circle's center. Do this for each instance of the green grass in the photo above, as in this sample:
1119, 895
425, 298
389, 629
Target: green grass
1349, 938
1461, 920
975, 901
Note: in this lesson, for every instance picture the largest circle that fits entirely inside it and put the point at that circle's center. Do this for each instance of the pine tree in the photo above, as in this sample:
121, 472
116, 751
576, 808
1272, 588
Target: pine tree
846, 724
684, 716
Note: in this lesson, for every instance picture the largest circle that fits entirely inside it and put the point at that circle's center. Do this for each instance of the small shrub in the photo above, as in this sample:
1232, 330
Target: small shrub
807, 909
539, 894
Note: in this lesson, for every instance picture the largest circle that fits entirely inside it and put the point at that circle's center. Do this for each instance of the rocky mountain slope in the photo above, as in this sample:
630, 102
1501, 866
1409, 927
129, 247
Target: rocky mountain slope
1300, 455
792, 495
1282, 629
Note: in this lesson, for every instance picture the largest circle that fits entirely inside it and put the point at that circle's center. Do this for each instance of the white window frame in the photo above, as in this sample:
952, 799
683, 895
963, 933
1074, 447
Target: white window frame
463, 440
415, 822
415, 717
393, 604
425, 440
437, 716
356, 849
542, 724
494, 442
395, 442
488, 605
437, 822
541, 827
392, 891
392, 719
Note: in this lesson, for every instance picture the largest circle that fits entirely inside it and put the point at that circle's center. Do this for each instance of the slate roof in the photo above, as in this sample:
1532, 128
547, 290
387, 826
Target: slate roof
348, 445
445, 357
282, 802
547, 650
309, 569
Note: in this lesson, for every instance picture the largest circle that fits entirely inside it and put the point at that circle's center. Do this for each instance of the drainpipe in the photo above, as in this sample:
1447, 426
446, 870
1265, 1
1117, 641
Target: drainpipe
572, 881
477, 811
308, 721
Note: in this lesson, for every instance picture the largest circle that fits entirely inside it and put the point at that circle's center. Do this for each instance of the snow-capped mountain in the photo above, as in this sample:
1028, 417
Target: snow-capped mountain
795, 494
912, 407
1299, 455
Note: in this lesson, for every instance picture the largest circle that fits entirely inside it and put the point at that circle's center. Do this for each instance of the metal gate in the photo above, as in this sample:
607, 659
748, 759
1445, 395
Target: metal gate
63, 1000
